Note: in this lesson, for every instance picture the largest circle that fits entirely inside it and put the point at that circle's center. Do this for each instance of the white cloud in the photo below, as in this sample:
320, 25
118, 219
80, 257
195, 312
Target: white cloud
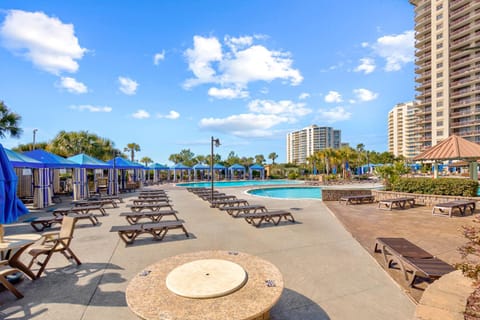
158, 57
367, 65
244, 125
204, 52
241, 63
127, 85
227, 93
72, 85
364, 44
397, 50
87, 107
333, 96
365, 95
304, 95
285, 108
47, 42
334, 114
141, 114
171, 115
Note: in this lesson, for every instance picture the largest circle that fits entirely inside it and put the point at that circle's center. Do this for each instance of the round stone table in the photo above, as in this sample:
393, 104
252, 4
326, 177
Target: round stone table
255, 291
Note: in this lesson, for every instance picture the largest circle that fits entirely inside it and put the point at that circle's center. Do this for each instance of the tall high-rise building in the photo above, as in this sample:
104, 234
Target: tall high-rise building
447, 70
303, 143
402, 122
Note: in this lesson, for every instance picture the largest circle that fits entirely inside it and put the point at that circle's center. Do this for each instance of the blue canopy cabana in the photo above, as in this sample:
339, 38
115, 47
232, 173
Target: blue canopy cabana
157, 168
256, 167
181, 168
87, 162
219, 168
10, 205
234, 168
43, 177
19, 160
119, 163
201, 167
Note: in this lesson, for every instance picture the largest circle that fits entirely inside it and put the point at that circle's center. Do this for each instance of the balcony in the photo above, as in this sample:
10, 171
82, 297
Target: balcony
469, 133
461, 124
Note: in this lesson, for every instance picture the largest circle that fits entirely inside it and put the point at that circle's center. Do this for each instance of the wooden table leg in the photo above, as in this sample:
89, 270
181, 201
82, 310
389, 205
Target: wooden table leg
15, 262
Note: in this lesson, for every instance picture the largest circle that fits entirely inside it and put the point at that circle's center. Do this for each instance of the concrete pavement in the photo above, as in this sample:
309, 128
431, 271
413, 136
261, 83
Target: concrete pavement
327, 273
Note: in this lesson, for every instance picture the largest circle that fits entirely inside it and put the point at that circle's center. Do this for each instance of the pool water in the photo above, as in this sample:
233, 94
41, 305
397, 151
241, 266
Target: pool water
288, 192
239, 183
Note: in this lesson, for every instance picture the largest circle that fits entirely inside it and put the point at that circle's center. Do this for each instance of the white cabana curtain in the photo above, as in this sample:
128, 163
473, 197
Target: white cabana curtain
80, 185
112, 182
42, 188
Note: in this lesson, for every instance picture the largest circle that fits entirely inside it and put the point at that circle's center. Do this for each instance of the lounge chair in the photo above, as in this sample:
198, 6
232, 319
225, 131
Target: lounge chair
235, 211
359, 199
52, 242
4, 273
40, 223
396, 202
447, 208
411, 259
228, 203
275, 217
150, 206
154, 216
157, 230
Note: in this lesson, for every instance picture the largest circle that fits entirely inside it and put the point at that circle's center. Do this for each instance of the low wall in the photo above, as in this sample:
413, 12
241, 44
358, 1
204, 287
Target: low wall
422, 199
336, 194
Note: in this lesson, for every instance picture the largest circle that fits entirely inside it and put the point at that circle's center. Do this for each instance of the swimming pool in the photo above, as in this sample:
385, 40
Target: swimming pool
288, 193
239, 183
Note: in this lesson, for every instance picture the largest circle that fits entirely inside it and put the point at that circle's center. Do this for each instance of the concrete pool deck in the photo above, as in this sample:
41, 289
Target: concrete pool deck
327, 273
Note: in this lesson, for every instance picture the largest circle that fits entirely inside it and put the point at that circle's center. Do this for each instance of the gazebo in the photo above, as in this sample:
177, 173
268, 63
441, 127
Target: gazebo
201, 168
157, 167
256, 167
180, 167
219, 168
87, 162
236, 167
119, 163
453, 148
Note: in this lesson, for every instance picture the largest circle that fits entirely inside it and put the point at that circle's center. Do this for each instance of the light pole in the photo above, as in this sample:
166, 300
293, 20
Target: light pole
114, 174
217, 144
34, 133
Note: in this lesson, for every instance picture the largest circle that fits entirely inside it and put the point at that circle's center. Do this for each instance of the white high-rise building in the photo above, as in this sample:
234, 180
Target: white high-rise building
402, 121
303, 143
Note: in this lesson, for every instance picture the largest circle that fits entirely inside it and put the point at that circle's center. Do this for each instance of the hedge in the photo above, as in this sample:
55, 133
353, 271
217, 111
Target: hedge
441, 186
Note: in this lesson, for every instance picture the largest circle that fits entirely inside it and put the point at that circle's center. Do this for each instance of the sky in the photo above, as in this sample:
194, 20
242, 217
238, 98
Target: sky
169, 75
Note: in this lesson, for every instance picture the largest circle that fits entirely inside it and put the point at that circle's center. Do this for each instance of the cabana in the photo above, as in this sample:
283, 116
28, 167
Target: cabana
157, 168
43, 178
453, 148
256, 167
236, 168
219, 168
124, 166
201, 168
181, 168
87, 162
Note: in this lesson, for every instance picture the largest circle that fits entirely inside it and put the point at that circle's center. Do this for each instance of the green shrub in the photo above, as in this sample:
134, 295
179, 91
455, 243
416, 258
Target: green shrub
441, 186
292, 175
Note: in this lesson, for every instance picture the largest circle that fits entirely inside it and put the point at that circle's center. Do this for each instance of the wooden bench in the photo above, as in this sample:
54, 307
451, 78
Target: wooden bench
235, 211
228, 203
275, 217
357, 199
396, 202
40, 223
81, 210
149, 206
154, 216
411, 258
447, 208
157, 230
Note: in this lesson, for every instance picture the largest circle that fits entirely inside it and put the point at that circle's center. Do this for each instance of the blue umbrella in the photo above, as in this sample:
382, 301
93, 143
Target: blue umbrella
11, 207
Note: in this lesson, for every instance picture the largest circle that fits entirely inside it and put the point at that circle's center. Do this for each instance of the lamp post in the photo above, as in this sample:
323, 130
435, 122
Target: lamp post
34, 133
114, 174
215, 142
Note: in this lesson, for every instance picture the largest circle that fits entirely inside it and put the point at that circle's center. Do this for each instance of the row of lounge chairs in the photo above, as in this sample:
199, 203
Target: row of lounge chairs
151, 205
253, 214
439, 209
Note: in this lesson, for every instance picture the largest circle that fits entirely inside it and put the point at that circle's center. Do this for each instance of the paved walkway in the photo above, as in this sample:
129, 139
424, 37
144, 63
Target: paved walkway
327, 273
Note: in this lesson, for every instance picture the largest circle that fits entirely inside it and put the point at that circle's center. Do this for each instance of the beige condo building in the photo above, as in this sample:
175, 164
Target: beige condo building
402, 122
447, 34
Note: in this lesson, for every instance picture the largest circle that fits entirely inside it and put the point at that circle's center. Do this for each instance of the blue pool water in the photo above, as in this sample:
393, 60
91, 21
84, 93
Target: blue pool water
239, 183
289, 192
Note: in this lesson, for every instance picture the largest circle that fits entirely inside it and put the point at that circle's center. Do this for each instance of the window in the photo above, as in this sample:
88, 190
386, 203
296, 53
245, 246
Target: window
439, 123
440, 6
439, 133
439, 74
440, 45
439, 36
440, 65
440, 104
439, 55
439, 84
439, 94
440, 16
440, 114
439, 26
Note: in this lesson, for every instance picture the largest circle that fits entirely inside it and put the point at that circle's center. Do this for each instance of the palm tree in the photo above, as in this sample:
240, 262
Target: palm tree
132, 148
9, 122
146, 160
259, 159
273, 156
71, 143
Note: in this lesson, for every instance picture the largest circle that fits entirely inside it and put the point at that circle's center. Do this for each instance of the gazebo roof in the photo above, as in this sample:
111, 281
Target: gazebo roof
256, 166
19, 160
86, 161
50, 160
121, 163
201, 166
181, 166
158, 166
454, 147
236, 166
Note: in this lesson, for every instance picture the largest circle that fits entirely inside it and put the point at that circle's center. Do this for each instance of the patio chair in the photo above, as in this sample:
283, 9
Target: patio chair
4, 273
52, 242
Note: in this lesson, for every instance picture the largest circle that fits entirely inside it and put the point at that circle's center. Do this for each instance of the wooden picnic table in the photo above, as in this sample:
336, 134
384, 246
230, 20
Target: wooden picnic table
396, 202
447, 208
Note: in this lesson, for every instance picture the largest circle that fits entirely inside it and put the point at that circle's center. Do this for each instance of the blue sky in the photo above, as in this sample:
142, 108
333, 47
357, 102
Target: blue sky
168, 75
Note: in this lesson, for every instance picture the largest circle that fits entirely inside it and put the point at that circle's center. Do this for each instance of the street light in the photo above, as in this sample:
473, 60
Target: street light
215, 142
115, 177
34, 133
